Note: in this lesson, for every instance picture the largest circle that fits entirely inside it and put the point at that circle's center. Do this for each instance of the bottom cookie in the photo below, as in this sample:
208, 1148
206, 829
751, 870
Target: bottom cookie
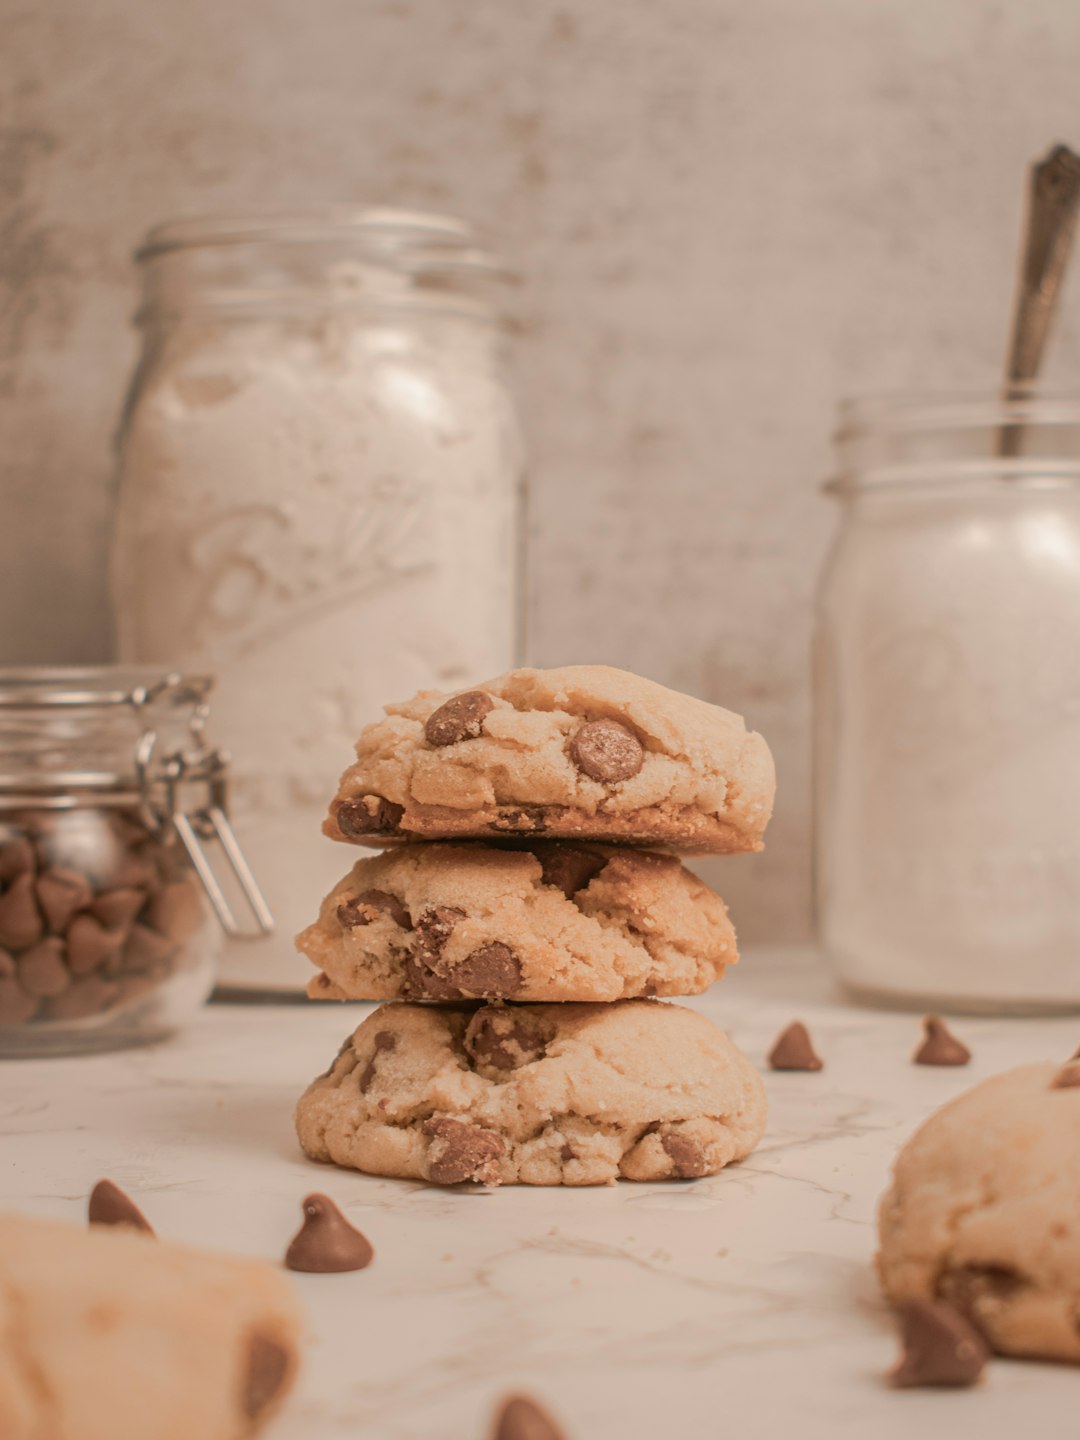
535, 1095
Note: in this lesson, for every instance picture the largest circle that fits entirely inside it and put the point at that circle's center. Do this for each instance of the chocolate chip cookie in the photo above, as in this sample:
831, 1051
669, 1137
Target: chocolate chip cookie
535, 1095
982, 1213
584, 752
108, 1331
560, 921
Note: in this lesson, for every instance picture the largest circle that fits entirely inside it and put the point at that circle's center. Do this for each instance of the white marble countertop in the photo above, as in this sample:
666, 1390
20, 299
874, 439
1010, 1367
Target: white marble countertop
745, 1302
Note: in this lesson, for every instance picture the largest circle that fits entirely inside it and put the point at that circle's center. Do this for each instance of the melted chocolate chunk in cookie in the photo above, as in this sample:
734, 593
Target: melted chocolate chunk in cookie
460, 1152
461, 718
570, 870
366, 907
267, 1367
370, 815
501, 1038
687, 1157
384, 1040
606, 751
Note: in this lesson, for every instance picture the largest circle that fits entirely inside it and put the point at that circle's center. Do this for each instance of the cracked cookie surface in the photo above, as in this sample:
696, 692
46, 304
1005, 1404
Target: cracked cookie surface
535, 1095
585, 752
109, 1331
982, 1213
556, 922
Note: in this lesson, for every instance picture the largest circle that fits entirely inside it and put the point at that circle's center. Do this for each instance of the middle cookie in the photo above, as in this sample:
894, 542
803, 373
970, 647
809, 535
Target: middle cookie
551, 923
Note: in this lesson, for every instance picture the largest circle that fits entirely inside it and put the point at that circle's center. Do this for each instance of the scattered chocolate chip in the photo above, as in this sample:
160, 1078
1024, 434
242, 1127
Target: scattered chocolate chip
384, 1040
940, 1347
940, 1046
267, 1367
326, 1244
61, 893
370, 815
460, 1152
20, 920
1068, 1077
687, 1157
42, 971
794, 1050
461, 718
569, 870
116, 909
606, 751
366, 907
505, 1038
110, 1206
90, 944
490, 972
519, 820
519, 1418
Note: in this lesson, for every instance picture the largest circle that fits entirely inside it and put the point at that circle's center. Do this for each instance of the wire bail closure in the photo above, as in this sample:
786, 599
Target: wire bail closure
208, 821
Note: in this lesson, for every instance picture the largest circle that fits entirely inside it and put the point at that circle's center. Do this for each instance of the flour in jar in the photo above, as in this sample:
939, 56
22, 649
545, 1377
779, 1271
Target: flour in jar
321, 511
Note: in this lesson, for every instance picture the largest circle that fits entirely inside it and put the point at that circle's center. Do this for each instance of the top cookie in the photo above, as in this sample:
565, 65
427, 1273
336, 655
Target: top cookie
585, 752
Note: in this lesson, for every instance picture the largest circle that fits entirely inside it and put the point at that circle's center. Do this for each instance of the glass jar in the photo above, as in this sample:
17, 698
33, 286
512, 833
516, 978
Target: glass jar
107, 890
947, 696
319, 502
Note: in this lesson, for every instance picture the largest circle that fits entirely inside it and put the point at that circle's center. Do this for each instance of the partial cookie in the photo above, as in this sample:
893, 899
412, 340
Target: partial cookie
109, 1332
983, 1213
535, 1095
585, 752
556, 922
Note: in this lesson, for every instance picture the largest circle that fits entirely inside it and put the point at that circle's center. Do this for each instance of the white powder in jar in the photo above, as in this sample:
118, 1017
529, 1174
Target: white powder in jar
323, 513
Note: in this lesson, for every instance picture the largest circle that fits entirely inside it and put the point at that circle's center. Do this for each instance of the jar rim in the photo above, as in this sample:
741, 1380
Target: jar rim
904, 410
416, 241
31, 686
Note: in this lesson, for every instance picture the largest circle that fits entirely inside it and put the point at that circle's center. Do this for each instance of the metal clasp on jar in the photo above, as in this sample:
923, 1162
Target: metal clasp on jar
161, 793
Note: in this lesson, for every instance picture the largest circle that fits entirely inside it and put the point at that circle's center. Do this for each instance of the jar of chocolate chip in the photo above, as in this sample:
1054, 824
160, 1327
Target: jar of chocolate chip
118, 868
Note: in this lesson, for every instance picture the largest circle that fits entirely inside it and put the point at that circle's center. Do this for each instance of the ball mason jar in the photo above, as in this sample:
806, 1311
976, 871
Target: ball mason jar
110, 804
319, 503
947, 700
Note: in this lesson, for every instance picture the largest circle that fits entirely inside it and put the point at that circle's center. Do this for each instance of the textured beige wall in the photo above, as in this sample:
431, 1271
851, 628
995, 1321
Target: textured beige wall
728, 214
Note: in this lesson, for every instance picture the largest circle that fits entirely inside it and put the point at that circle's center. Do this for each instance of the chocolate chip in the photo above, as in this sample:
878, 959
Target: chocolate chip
687, 1157
567, 1152
362, 909
16, 1006
606, 751
502, 1038
116, 909
146, 949
461, 718
520, 1418
16, 857
20, 920
940, 1046
519, 820
370, 815
60, 894
326, 1244
569, 870
89, 944
940, 1347
794, 1050
384, 1040
490, 972
460, 1152
110, 1206
266, 1371
1068, 1077
42, 971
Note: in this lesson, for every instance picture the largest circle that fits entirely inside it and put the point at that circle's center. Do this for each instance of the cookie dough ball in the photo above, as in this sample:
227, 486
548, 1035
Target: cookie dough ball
110, 1332
983, 1213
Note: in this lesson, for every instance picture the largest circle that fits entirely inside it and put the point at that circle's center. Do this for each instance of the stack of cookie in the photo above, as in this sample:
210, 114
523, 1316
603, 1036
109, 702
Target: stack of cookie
520, 916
